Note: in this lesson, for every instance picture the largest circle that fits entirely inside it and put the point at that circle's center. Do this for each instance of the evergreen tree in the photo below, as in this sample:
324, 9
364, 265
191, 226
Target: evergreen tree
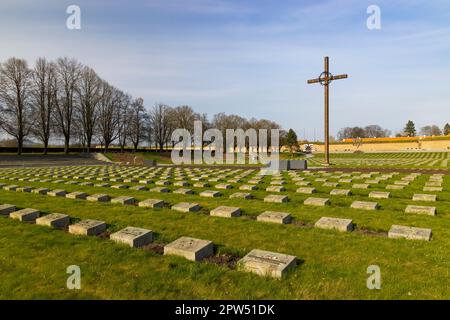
291, 140
447, 129
410, 129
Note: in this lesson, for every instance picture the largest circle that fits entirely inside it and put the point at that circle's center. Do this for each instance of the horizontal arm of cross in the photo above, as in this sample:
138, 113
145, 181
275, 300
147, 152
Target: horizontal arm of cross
314, 81
339, 76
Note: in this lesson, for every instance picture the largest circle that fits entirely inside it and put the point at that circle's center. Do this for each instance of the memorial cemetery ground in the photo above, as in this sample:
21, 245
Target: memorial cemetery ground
303, 234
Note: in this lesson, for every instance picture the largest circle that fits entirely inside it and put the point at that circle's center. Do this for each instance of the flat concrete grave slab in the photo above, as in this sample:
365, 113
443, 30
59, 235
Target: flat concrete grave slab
102, 185
317, 201
183, 191
11, 188
424, 197
225, 212
223, 186
360, 186
379, 195
433, 184
345, 180
210, 194
306, 190
124, 200
55, 220
88, 227
276, 198
330, 184
394, 187
57, 193
162, 183
241, 195
303, 183
432, 189
6, 209
159, 189
186, 207
402, 182
27, 214
344, 225
266, 263
431, 211
274, 217
190, 248
119, 186
139, 188
134, 237
181, 183
364, 205
410, 233
340, 192
76, 195
151, 203
248, 187
201, 185
25, 189
98, 197
275, 189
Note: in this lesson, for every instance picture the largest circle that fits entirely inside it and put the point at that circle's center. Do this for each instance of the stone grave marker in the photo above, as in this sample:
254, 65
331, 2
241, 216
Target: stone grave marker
431, 211
410, 233
210, 194
55, 220
316, 201
241, 195
275, 189
27, 214
394, 187
124, 200
88, 227
344, 225
306, 190
379, 195
248, 187
276, 198
340, 192
6, 209
275, 217
186, 207
151, 203
133, 237
266, 263
225, 212
98, 197
424, 197
360, 186
57, 193
190, 248
364, 205
76, 195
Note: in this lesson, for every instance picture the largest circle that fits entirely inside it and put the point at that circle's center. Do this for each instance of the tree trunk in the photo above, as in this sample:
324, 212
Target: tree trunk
45, 147
19, 145
66, 145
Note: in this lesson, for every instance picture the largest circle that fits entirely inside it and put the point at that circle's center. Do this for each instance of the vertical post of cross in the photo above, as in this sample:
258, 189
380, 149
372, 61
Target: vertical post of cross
326, 111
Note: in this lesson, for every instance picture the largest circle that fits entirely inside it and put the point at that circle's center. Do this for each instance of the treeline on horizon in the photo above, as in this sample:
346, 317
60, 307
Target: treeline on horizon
66, 100
376, 131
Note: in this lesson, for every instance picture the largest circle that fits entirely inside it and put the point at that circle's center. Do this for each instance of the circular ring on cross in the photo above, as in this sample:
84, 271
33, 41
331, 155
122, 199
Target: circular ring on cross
325, 78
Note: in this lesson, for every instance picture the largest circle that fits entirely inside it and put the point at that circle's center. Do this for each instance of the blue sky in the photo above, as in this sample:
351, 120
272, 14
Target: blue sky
253, 58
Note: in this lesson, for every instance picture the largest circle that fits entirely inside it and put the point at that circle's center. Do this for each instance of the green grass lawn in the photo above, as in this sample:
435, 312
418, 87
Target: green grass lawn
415, 160
332, 265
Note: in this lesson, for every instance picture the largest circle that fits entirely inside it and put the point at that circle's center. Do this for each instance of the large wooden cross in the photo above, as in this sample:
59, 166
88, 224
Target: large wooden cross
325, 79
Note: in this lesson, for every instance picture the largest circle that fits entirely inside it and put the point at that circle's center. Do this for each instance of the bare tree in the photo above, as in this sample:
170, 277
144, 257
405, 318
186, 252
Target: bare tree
68, 74
15, 107
136, 116
109, 119
43, 100
124, 122
160, 121
88, 92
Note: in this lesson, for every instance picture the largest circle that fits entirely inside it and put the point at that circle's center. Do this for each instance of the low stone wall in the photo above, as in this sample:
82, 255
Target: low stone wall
438, 145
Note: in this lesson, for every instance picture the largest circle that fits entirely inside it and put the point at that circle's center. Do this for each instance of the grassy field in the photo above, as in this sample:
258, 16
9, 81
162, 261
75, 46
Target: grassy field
332, 265
422, 160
